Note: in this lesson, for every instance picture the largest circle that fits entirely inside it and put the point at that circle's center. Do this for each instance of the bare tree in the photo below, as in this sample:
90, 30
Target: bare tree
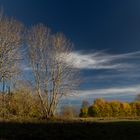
53, 77
85, 104
137, 98
10, 41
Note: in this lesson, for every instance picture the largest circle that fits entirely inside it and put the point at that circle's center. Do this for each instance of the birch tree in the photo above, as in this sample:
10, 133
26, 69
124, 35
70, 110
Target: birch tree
53, 77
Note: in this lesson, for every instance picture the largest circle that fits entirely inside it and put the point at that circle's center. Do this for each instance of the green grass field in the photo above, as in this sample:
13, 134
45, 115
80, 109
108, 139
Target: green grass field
74, 130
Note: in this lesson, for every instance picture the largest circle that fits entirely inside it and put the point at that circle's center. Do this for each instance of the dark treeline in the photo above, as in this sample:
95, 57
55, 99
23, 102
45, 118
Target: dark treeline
103, 108
23, 104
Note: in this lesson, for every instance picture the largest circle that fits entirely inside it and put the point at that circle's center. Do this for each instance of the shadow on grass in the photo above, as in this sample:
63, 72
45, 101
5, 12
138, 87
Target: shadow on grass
74, 131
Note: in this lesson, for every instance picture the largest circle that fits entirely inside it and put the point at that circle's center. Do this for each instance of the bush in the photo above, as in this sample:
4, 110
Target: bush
84, 112
107, 111
68, 112
133, 109
125, 109
102, 108
94, 111
115, 106
136, 108
19, 104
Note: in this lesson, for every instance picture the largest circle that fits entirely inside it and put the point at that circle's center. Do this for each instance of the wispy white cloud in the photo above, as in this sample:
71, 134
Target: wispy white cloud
126, 90
101, 60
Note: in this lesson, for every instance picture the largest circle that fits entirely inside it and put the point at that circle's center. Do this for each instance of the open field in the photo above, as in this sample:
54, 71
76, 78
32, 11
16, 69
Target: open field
97, 129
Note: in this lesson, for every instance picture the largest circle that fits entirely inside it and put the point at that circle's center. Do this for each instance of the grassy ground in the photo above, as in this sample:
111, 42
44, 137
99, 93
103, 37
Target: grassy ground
81, 129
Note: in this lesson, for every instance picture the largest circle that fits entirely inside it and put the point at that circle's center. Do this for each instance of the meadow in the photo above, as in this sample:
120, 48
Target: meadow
78, 129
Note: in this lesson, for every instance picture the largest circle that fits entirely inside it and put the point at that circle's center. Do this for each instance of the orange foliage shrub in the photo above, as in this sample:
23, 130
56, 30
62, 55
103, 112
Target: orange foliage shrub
102, 108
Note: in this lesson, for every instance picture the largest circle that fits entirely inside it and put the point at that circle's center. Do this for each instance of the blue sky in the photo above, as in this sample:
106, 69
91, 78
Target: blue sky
106, 36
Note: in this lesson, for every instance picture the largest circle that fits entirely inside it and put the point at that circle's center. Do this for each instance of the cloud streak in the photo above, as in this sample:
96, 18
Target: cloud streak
101, 60
128, 90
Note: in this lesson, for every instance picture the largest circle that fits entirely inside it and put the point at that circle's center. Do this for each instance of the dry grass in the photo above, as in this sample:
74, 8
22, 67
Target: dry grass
77, 128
